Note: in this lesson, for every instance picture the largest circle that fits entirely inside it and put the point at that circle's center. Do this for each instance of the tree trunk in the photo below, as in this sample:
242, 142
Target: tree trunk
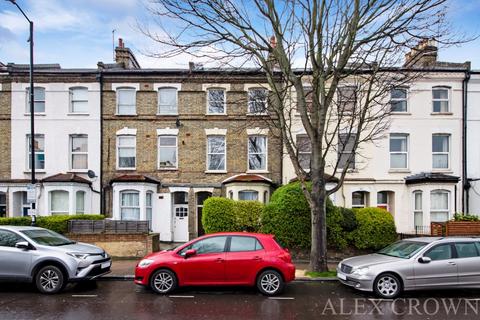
318, 253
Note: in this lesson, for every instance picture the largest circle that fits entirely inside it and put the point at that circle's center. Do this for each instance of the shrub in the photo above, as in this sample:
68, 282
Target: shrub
247, 215
375, 230
218, 215
55, 223
349, 222
465, 217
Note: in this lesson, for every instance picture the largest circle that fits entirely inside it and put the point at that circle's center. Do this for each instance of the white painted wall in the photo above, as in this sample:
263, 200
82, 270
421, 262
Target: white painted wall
473, 141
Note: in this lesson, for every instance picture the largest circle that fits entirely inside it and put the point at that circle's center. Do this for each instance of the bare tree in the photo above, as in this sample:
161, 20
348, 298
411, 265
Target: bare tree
330, 66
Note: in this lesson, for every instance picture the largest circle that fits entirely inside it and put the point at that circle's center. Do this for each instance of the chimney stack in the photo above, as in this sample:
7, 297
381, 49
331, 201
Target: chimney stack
423, 55
125, 57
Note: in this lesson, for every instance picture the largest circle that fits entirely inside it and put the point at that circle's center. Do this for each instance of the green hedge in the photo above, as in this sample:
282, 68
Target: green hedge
55, 223
218, 215
465, 217
247, 215
375, 230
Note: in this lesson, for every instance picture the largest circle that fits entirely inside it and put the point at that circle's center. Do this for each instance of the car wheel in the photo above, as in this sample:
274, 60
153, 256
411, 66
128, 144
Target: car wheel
49, 280
387, 286
163, 281
270, 283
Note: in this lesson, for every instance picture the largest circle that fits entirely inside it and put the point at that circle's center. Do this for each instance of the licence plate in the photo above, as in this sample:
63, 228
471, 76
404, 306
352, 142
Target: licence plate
341, 276
106, 265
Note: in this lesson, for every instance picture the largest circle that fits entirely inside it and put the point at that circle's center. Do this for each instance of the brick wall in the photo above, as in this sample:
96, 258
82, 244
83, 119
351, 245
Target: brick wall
5, 130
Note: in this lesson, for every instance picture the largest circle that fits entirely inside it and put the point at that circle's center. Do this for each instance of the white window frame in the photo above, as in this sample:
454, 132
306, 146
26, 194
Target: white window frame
76, 201
159, 147
149, 209
72, 101
304, 152
250, 192
119, 137
251, 111
27, 109
224, 101
224, 153
393, 153
441, 210
72, 153
384, 205
399, 100
129, 207
442, 153
417, 210
119, 89
50, 194
29, 155
255, 153
364, 197
440, 100
159, 106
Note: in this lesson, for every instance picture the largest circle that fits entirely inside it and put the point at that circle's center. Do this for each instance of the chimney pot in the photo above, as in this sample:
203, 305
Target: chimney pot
120, 42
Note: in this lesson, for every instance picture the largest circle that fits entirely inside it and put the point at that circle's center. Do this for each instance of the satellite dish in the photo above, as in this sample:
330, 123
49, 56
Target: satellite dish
91, 174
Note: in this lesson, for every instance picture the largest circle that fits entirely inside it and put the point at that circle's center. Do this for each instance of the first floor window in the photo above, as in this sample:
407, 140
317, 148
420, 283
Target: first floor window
398, 151
126, 152
126, 101
417, 210
347, 98
439, 205
257, 153
440, 151
257, 101
148, 208
38, 99
167, 152
167, 101
440, 99
216, 101
3, 204
346, 144
216, 151
129, 205
398, 100
79, 100
39, 147
79, 151
304, 150
248, 195
80, 202
359, 199
59, 202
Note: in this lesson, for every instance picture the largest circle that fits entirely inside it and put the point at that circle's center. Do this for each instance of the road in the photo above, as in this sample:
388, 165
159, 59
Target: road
301, 300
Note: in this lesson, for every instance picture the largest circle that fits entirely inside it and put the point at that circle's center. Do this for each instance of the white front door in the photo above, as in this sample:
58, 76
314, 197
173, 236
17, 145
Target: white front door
180, 223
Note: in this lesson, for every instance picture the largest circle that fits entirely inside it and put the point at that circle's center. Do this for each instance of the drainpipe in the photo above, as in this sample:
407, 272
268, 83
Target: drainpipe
100, 174
465, 182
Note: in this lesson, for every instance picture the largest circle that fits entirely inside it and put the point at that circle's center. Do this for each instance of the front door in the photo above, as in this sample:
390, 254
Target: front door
180, 223
441, 271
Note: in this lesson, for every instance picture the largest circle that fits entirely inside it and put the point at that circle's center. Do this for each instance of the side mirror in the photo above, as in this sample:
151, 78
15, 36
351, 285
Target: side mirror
22, 245
190, 252
425, 260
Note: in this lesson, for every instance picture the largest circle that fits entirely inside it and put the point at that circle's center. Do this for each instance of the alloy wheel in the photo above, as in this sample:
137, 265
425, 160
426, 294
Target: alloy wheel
387, 286
163, 282
270, 283
49, 280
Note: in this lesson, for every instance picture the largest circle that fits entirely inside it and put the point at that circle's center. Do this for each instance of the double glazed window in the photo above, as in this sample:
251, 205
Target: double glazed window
257, 153
59, 203
167, 152
257, 101
216, 101
79, 152
126, 101
167, 101
79, 100
129, 205
126, 152
38, 100
248, 195
346, 143
398, 151
80, 202
398, 100
216, 151
440, 99
439, 205
304, 150
39, 147
440, 151
359, 199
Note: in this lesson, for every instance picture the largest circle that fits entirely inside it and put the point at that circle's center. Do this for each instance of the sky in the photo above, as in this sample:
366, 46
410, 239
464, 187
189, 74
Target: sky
78, 33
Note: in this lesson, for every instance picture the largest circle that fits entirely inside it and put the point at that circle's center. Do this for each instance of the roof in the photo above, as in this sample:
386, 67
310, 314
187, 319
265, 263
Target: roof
245, 177
431, 177
134, 178
66, 177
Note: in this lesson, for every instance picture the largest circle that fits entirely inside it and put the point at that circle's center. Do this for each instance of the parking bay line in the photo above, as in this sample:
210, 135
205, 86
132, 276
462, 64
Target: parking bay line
84, 295
185, 297
281, 298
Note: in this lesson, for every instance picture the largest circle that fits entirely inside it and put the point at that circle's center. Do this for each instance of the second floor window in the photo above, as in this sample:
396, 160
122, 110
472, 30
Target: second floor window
126, 101
398, 100
346, 144
257, 101
304, 150
347, 98
79, 100
39, 147
38, 100
398, 151
167, 101
167, 152
216, 151
216, 101
257, 153
440, 151
126, 152
79, 152
440, 99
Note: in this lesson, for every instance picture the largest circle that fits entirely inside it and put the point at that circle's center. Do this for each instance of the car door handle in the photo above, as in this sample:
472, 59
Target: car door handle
257, 258
219, 260
452, 263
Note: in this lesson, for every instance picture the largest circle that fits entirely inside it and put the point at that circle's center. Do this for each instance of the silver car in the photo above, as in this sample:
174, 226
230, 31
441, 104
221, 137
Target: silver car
413, 264
48, 259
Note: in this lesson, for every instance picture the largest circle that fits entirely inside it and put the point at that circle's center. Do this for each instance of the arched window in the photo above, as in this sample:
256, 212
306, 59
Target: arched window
80, 202
439, 205
59, 202
360, 199
129, 205
248, 195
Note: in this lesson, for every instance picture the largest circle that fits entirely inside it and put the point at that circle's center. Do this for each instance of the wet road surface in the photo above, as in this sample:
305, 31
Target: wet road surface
301, 300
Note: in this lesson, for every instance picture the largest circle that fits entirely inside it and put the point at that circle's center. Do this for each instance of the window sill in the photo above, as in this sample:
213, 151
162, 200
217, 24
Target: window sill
215, 171
126, 169
215, 114
36, 171
126, 115
250, 114
441, 113
167, 169
78, 171
42, 114
399, 171
399, 113
79, 114
442, 170
167, 114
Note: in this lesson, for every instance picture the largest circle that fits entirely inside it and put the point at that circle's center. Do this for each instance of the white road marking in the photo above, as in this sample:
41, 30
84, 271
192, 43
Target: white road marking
186, 297
281, 298
84, 295
382, 300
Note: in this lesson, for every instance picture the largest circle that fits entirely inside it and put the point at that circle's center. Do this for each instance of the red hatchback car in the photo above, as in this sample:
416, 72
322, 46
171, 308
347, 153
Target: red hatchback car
234, 258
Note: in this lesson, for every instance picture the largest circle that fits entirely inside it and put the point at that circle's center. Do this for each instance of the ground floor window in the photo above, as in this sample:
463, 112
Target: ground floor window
382, 200
417, 210
3, 204
148, 208
129, 205
59, 202
248, 195
439, 205
80, 202
359, 199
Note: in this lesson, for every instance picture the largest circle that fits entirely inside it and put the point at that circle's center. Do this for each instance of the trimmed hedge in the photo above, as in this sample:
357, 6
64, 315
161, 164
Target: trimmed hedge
55, 223
248, 214
218, 215
375, 230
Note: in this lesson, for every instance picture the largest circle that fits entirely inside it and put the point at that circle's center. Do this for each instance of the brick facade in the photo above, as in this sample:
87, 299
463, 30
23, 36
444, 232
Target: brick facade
5, 128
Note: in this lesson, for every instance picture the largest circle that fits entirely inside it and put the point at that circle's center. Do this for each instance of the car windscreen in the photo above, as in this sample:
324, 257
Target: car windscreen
47, 238
403, 249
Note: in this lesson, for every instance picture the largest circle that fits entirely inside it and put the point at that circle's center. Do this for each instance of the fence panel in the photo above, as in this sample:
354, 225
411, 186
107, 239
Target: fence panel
108, 227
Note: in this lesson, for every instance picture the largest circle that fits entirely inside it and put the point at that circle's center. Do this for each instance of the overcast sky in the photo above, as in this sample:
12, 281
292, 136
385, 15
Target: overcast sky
78, 33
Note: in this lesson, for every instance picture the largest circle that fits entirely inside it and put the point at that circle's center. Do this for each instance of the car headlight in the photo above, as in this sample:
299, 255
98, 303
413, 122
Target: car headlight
145, 263
78, 255
360, 271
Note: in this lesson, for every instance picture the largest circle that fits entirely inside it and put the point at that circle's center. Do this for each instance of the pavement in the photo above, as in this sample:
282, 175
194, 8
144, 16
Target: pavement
125, 270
